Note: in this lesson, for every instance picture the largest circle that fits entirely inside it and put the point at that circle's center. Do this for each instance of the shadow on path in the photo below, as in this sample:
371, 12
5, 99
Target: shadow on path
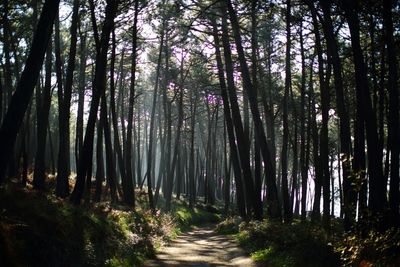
201, 247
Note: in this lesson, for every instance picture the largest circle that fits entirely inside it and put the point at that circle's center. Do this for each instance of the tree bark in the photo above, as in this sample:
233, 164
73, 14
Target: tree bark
152, 122
129, 190
63, 171
99, 84
393, 119
272, 195
287, 209
23, 93
81, 97
377, 187
42, 124
344, 123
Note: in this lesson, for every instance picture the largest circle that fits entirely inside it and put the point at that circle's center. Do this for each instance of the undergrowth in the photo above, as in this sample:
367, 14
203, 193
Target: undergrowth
304, 244
39, 229
371, 249
186, 217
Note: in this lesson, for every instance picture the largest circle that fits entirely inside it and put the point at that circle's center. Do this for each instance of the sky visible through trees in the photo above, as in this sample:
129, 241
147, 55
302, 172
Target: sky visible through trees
277, 109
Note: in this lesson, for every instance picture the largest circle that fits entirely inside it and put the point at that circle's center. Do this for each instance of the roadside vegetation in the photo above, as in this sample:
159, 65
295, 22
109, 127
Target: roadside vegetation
273, 243
39, 229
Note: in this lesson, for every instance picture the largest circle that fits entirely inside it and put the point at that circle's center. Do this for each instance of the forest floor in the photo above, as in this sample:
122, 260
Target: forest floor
199, 247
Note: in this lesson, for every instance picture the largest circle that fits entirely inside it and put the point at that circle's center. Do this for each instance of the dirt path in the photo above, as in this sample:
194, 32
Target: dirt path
201, 247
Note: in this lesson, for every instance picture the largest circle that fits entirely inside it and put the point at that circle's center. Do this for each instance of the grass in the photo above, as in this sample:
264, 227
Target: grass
186, 217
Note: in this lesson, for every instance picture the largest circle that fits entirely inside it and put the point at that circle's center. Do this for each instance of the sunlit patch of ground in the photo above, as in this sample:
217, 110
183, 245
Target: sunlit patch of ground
201, 247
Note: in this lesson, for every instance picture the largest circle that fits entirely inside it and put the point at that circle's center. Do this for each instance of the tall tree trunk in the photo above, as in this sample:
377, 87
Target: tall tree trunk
377, 187
294, 197
117, 144
99, 163
242, 145
393, 120
7, 53
303, 165
81, 96
111, 174
99, 84
152, 122
344, 123
24, 90
170, 176
63, 173
42, 124
272, 195
257, 153
287, 209
129, 190
192, 178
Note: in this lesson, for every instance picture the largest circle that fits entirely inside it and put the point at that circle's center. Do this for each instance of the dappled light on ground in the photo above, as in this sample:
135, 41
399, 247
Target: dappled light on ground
201, 247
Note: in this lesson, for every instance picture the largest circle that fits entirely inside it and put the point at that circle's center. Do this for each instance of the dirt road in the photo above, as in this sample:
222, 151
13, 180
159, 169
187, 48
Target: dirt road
201, 247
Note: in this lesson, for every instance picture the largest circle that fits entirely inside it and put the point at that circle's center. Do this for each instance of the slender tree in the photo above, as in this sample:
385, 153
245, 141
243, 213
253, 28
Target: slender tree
24, 90
63, 169
98, 89
272, 194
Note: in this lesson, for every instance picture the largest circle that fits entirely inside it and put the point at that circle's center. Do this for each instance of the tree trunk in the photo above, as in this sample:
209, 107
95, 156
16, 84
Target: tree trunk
242, 145
111, 174
23, 93
152, 122
170, 181
129, 190
377, 187
42, 124
272, 195
81, 97
303, 165
344, 124
393, 119
99, 163
99, 84
63, 173
117, 144
287, 209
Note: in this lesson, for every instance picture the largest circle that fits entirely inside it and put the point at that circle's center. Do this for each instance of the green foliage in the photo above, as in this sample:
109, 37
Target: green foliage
229, 226
277, 244
40, 230
374, 249
186, 217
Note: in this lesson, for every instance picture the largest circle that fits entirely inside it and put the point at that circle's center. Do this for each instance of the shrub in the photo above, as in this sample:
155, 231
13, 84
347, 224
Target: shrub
374, 249
229, 226
40, 230
277, 244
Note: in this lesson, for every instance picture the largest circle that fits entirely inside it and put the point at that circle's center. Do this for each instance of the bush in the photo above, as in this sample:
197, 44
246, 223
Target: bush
40, 230
229, 226
277, 244
374, 249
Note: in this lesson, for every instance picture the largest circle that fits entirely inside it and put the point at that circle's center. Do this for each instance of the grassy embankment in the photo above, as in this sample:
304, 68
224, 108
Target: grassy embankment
305, 244
38, 229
